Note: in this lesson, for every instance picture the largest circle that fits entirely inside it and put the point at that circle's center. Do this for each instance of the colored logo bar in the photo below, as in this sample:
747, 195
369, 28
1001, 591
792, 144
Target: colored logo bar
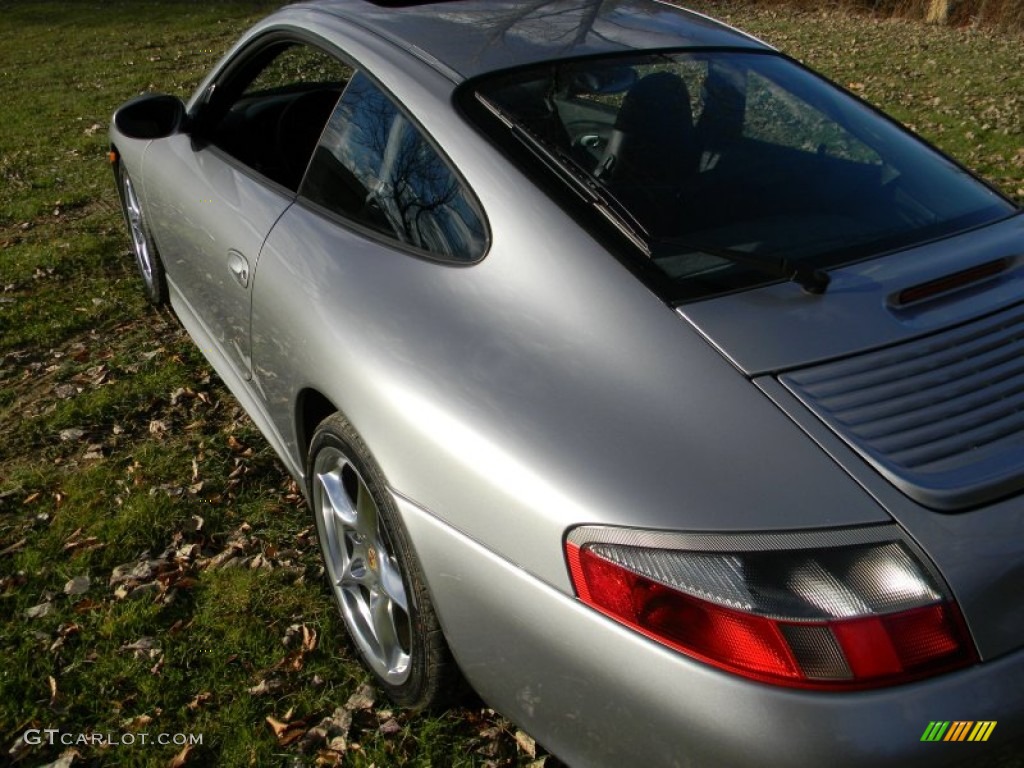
958, 730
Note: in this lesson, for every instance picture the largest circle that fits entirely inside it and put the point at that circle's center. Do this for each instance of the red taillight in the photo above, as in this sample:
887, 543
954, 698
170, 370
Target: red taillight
752, 613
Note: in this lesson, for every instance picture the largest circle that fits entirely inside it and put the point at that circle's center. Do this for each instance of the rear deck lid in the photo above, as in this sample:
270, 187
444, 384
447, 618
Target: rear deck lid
915, 359
941, 417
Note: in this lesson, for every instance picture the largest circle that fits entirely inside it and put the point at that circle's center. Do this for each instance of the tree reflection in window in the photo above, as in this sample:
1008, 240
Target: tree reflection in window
374, 166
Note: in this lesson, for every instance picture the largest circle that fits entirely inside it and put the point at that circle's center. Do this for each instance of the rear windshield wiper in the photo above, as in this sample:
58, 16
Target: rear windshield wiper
814, 281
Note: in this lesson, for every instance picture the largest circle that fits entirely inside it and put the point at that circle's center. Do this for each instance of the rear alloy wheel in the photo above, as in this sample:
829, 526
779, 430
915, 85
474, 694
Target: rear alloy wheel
373, 573
151, 269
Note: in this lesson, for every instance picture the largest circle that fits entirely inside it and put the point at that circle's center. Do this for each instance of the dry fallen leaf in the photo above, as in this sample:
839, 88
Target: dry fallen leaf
181, 758
65, 391
73, 544
77, 586
16, 546
526, 743
260, 562
225, 559
287, 733
139, 571
64, 761
39, 611
266, 686
389, 727
312, 739
296, 659
18, 750
332, 731
182, 393
86, 605
199, 700
187, 552
144, 646
363, 698
137, 722
291, 634
276, 726
329, 758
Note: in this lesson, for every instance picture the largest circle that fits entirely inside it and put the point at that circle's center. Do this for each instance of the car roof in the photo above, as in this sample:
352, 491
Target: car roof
465, 38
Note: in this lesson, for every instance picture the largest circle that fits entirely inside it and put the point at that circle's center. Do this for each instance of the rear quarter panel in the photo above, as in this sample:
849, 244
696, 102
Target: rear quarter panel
540, 388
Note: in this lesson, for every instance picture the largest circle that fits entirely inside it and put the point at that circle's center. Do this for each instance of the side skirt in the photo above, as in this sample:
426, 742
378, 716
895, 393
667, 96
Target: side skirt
248, 399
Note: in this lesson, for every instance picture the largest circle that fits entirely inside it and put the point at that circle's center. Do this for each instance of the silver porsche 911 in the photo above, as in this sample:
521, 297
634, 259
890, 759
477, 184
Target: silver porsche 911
662, 390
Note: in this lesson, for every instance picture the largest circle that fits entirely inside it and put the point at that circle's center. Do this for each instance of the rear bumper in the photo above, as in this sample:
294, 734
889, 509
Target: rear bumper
597, 694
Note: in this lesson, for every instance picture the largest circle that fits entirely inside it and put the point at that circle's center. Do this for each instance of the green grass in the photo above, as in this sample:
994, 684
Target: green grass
119, 445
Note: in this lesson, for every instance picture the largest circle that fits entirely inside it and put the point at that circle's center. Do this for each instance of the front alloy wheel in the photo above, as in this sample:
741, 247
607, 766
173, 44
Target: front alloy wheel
154, 282
373, 573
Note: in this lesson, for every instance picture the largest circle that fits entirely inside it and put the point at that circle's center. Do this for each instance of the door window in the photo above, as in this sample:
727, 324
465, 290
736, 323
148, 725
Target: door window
270, 110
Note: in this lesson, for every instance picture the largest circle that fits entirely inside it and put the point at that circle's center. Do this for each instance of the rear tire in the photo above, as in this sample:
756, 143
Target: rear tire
151, 269
373, 572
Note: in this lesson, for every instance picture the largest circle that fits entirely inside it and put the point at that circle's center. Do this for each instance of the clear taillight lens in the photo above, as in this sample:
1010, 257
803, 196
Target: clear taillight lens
836, 610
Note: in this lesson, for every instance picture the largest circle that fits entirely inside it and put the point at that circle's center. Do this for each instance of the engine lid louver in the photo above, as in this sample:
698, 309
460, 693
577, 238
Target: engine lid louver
942, 417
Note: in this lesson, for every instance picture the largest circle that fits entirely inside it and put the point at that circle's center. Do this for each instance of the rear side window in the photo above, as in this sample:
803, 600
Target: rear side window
374, 167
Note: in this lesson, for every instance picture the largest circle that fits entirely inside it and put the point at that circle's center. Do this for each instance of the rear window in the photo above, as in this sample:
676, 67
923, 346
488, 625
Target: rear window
749, 152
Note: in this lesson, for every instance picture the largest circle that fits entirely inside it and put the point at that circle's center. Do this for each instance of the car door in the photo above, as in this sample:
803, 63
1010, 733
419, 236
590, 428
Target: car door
380, 210
215, 192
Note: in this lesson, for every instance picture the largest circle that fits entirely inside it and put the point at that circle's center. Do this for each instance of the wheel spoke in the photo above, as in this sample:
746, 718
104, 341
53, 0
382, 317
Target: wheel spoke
352, 571
337, 520
391, 581
337, 498
386, 632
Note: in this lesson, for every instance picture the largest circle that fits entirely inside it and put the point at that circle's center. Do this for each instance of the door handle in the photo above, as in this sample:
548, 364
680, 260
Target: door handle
239, 267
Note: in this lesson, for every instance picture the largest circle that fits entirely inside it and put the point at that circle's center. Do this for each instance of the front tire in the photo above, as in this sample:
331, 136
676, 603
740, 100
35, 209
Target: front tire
151, 269
373, 572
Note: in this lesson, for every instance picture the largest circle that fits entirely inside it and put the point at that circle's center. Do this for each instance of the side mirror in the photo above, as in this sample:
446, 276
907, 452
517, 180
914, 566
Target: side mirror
152, 116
